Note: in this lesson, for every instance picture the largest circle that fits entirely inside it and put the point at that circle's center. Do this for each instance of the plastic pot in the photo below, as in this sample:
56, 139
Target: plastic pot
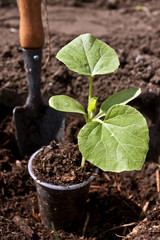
63, 206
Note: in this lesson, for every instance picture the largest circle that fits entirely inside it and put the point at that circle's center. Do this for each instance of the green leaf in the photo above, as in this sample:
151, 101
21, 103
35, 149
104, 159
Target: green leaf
122, 98
92, 106
66, 104
120, 143
88, 56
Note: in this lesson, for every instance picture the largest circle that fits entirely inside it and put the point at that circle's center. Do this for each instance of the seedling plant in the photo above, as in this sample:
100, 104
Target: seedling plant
116, 138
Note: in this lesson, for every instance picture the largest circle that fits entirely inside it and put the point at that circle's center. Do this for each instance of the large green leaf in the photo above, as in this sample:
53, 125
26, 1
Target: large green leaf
66, 104
119, 143
88, 56
122, 97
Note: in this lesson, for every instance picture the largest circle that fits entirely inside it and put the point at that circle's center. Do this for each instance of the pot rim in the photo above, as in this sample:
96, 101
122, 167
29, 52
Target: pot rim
56, 187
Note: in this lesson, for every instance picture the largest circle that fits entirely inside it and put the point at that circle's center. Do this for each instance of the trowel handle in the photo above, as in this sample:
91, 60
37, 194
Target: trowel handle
31, 32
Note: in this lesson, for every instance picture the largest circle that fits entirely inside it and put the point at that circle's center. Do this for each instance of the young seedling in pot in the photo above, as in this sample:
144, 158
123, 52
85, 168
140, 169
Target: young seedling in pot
116, 139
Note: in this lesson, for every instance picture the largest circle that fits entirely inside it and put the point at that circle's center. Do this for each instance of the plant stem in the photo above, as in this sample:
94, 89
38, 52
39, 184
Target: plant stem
90, 87
87, 120
83, 162
90, 96
54, 231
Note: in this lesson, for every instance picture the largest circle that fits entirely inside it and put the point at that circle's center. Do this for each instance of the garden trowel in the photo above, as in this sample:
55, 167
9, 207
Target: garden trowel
36, 123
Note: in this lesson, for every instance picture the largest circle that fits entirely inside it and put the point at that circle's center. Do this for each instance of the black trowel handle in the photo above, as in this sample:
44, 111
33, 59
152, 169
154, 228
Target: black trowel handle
32, 61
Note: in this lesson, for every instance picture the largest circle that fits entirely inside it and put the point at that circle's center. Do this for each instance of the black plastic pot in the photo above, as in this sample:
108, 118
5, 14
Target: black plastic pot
63, 206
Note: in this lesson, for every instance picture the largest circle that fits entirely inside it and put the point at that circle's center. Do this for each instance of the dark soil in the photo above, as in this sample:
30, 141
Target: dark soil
120, 206
61, 165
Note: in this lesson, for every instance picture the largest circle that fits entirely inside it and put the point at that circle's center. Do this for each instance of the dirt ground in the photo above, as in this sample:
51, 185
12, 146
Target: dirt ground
120, 206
